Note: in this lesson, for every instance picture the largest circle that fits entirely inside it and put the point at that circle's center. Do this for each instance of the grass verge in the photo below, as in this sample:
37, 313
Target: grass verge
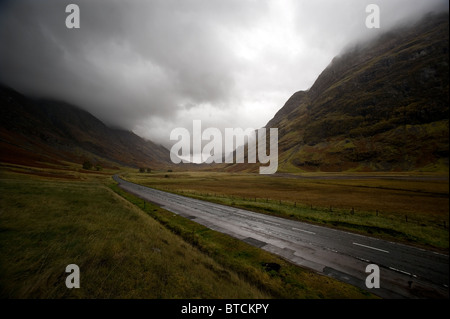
409, 211
49, 219
266, 271
121, 252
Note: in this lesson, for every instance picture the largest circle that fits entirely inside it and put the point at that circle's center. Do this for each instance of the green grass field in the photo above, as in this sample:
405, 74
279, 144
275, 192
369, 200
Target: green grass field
52, 217
414, 211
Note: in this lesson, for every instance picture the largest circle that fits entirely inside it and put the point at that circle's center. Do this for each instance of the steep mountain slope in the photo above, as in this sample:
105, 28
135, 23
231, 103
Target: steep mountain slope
379, 106
36, 131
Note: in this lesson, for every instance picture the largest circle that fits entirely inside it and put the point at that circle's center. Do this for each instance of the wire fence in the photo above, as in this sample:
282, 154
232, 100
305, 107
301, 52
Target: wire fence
406, 218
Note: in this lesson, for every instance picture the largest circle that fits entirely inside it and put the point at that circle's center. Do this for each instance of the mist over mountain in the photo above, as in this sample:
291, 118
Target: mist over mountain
382, 105
34, 132
152, 66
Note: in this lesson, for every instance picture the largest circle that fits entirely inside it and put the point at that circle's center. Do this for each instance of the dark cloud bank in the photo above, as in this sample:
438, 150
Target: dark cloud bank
151, 66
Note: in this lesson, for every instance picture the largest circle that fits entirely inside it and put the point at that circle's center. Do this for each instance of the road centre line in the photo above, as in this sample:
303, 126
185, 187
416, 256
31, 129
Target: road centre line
305, 231
370, 247
363, 259
268, 222
402, 271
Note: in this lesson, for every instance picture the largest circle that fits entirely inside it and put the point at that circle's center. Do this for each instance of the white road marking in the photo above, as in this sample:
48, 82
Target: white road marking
266, 221
439, 254
402, 271
370, 247
305, 231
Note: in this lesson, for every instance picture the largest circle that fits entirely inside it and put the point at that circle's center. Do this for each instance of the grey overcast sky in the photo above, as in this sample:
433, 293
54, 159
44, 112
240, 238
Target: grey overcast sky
151, 66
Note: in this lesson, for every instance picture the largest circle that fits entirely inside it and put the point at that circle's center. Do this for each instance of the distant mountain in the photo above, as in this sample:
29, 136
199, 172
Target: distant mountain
33, 132
381, 106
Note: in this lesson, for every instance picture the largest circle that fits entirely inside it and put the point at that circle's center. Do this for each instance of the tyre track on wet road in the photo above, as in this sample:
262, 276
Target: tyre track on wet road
405, 271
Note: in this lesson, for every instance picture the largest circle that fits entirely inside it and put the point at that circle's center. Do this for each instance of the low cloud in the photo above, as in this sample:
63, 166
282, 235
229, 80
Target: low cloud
151, 66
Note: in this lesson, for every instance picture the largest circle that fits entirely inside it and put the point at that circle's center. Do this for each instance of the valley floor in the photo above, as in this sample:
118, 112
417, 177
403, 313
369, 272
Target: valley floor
406, 207
53, 217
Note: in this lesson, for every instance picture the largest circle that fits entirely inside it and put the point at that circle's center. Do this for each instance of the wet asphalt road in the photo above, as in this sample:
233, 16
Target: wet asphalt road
405, 271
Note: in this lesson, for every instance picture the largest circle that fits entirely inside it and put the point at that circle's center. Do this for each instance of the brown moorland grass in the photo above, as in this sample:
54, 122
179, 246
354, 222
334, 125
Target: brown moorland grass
121, 252
400, 207
48, 222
